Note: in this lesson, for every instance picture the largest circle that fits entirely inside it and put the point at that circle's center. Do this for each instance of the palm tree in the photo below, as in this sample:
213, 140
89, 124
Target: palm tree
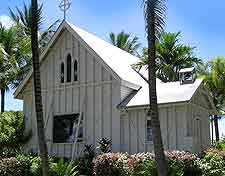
22, 17
154, 16
35, 22
8, 69
213, 73
171, 56
125, 42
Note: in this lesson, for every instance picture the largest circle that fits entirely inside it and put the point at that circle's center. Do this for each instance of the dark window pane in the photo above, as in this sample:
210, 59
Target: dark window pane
62, 73
65, 127
68, 62
75, 70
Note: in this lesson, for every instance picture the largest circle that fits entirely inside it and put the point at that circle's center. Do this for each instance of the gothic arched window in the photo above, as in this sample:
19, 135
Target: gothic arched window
62, 72
75, 66
69, 68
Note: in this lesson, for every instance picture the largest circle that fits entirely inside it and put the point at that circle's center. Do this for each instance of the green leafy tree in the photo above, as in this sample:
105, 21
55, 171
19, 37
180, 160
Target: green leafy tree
35, 22
8, 67
12, 132
154, 16
171, 56
213, 73
125, 42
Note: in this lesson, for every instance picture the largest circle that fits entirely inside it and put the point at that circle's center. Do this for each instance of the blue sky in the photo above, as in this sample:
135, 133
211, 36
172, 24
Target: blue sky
201, 22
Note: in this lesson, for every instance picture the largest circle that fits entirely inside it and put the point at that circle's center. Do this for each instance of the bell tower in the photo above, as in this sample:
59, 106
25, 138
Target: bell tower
187, 75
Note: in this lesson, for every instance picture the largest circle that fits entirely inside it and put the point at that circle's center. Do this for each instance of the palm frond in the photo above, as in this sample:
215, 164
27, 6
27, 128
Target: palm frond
155, 10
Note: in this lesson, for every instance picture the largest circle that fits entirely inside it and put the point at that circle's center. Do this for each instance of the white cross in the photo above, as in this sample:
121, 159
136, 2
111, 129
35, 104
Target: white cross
64, 6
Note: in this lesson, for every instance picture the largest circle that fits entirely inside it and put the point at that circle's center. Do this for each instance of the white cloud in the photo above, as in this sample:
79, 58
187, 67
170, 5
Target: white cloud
6, 21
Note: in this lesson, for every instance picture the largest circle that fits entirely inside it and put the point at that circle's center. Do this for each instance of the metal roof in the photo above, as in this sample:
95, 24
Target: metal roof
120, 62
184, 70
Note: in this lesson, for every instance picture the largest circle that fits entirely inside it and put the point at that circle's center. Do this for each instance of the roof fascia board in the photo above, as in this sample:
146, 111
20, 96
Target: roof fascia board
64, 25
130, 85
163, 105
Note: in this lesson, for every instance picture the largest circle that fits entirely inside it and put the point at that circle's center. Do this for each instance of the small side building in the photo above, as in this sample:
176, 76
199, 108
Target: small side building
84, 77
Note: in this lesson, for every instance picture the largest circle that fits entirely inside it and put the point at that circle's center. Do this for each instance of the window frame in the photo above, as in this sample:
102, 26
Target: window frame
146, 132
62, 71
79, 140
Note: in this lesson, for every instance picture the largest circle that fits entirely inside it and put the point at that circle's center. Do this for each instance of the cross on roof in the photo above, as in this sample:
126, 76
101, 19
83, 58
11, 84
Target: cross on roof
64, 6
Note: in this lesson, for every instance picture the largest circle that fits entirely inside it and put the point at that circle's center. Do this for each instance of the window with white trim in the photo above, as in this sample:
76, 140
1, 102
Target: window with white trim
64, 129
149, 136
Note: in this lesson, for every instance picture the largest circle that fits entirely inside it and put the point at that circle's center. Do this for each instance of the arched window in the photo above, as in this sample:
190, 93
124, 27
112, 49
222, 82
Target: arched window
75, 66
68, 62
62, 73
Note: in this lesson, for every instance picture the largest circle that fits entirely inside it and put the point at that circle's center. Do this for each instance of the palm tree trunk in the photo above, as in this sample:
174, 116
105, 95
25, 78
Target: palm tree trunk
216, 128
157, 138
37, 89
2, 100
211, 120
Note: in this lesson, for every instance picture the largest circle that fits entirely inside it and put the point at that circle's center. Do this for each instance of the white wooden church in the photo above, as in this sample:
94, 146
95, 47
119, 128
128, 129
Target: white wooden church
90, 84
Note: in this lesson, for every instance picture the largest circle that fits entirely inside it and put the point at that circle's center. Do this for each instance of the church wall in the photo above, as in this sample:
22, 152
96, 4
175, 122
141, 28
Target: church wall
97, 93
173, 129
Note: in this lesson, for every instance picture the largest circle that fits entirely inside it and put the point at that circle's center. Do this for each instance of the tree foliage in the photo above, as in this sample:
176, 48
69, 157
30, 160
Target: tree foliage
213, 73
171, 56
125, 42
12, 132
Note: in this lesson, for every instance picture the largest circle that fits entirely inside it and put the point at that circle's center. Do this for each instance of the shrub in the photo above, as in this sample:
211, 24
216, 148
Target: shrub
215, 152
104, 145
62, 168
12, 136
32, 164
220, 145
141, 164
84, 163
11, 167
186, 160
144, 168
110, 164
211, 165
175, 168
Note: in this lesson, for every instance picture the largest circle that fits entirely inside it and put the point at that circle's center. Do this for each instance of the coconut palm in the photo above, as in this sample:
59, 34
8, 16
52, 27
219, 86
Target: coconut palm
8, 68
125, 42
35, 22
213, 73
171, 57
154, 11
22, 17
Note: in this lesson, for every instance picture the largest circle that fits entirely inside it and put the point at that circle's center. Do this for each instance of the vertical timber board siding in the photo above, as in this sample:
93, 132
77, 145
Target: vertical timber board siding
181, 127
83, 98
126, 134
96, 84
133, 132
172, 127
90, 99
115, 116
163, 125
122, 131
76, 90
106, 104
141, 130
98, 102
